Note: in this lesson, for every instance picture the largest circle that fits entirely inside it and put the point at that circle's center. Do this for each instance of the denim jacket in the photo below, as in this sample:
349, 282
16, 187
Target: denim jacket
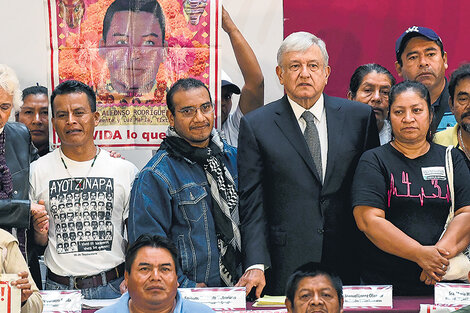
171, 198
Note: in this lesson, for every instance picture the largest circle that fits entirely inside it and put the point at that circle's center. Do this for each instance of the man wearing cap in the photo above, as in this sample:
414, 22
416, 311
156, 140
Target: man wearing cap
421, 57
252, 93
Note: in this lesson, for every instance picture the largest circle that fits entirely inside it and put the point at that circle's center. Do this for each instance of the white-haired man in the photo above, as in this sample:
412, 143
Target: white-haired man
296, 159
17, 213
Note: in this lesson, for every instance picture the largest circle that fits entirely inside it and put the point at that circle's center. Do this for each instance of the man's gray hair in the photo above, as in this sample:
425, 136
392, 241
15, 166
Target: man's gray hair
9, 82
301, 41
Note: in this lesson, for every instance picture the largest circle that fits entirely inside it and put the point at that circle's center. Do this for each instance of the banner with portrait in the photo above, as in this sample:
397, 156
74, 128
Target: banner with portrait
130, 52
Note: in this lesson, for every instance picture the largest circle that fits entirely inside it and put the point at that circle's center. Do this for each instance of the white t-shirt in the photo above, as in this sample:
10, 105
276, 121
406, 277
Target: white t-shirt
231, 127
86, 211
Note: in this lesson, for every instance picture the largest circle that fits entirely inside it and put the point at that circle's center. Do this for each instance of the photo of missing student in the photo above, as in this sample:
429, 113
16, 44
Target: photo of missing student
131, 52
82, 210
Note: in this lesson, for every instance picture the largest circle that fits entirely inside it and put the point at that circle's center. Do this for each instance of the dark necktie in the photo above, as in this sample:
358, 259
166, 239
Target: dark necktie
313, 141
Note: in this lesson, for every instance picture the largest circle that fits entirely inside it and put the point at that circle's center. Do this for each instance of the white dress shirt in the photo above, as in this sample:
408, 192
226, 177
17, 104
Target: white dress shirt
385, 134
318, 110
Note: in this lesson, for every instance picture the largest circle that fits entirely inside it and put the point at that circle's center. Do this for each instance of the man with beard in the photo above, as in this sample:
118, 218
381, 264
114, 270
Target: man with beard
188, 191
459, 101
421, 57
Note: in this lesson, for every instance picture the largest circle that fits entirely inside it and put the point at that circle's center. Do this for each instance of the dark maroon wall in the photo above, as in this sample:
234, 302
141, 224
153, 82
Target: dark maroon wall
364, 31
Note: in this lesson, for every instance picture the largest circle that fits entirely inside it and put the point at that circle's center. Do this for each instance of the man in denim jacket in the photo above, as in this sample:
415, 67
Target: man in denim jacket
188, 191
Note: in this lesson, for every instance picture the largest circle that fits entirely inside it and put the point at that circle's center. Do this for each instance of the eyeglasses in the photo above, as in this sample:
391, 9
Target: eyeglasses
206, 108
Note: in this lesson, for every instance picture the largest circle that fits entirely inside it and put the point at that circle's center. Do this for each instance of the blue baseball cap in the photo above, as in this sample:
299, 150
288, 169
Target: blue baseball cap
411, 32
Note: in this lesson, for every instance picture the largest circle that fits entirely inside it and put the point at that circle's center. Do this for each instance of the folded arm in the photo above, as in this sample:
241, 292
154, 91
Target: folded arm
390, 239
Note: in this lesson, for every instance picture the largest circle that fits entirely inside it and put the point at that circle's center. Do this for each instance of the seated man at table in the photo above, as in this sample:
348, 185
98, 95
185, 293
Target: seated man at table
152, 283
313, 287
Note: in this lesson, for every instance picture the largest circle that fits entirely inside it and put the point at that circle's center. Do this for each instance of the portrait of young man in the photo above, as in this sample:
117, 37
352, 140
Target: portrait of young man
133, 45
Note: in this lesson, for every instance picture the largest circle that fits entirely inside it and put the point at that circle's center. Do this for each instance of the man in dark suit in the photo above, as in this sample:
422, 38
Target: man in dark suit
297, 158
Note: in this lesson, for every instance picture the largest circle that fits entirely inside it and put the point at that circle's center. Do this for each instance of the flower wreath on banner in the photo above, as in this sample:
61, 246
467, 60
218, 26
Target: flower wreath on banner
79, 58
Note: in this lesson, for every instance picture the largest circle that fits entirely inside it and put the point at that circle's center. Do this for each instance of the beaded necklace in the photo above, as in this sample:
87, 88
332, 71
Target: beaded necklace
79, 181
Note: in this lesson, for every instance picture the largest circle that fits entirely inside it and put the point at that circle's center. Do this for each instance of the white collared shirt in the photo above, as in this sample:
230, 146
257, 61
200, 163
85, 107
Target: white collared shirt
318, 110
385, 134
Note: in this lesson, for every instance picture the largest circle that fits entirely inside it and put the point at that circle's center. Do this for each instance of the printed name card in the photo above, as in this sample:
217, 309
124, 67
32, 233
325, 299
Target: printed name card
368, 296
452, 294
10, 296
64, 301
431, 308
218, 299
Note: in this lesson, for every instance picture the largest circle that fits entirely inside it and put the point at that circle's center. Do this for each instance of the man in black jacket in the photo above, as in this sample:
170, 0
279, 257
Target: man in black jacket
16, 153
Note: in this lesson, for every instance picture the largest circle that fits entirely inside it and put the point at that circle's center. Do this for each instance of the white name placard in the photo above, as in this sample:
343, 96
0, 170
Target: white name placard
431, 308
368, 296
218, 299
10, 296
452, 294
64, 301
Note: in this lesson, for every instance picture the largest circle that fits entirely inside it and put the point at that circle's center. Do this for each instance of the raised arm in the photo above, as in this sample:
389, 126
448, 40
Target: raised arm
252, 93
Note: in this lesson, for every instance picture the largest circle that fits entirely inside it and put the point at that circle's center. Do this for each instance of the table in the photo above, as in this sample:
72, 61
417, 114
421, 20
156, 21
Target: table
400, 305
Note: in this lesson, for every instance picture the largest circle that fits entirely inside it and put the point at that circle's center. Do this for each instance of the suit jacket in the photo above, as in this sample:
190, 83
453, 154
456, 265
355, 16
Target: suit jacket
287, 217
15, 212
19, 153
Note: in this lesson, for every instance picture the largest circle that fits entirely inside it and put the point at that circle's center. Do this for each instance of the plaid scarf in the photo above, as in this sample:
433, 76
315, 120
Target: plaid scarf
224, 196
